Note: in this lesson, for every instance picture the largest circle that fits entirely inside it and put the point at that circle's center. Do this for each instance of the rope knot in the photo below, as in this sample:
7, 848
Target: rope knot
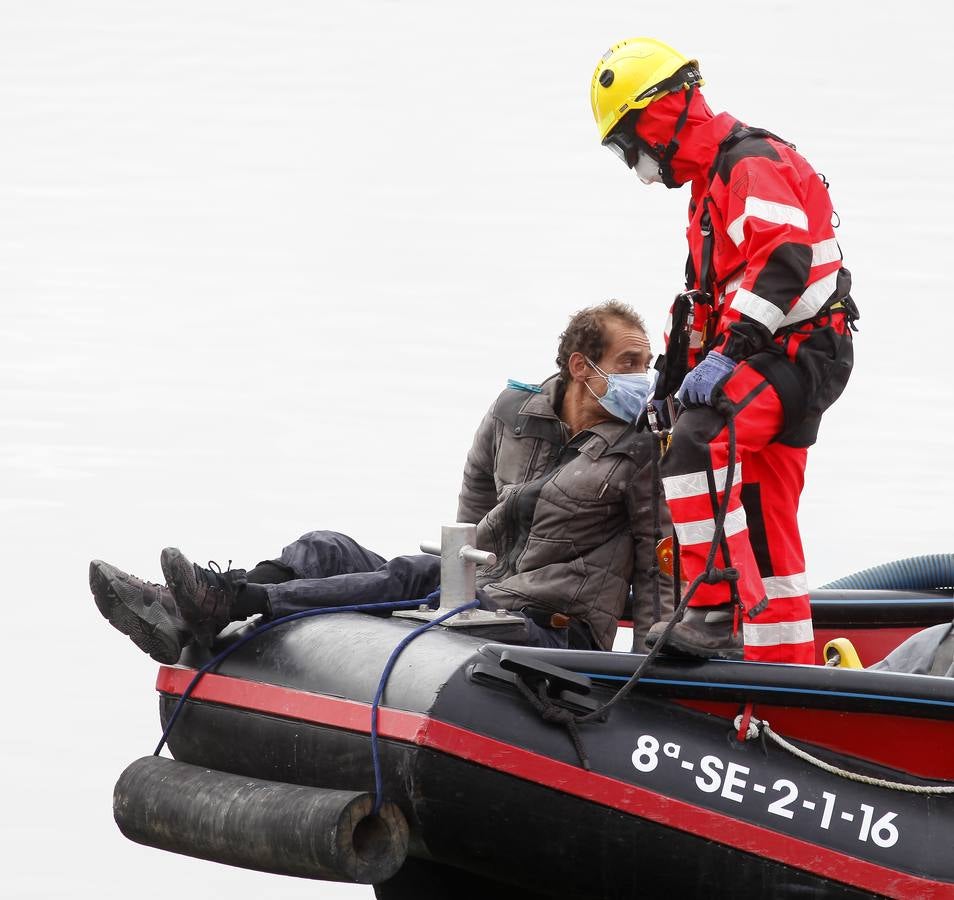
752, 729
715, 576
557, 715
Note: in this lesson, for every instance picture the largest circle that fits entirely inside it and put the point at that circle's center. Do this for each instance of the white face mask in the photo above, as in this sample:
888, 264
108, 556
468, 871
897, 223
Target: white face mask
647, 169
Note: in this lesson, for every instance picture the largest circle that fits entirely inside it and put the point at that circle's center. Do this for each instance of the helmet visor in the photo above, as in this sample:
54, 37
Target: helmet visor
623, 143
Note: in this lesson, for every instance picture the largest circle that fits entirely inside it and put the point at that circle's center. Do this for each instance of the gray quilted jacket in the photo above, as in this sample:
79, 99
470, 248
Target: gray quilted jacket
569, 517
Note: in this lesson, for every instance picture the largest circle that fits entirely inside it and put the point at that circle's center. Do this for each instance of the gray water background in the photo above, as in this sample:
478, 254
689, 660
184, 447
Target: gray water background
264, 265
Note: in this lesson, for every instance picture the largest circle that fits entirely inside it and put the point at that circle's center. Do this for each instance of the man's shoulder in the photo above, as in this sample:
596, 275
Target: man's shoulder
520, 398
748, 152
507, 406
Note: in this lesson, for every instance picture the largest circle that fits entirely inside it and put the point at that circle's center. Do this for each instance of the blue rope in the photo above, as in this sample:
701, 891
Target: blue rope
392, 659
268, 626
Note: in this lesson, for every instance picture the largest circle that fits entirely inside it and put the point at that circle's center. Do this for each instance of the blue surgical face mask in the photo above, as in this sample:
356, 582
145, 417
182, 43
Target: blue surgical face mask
626, 395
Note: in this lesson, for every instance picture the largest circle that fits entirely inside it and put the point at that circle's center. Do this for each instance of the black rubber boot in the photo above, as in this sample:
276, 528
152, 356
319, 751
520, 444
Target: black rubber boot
704, 632
206, 598
144, 611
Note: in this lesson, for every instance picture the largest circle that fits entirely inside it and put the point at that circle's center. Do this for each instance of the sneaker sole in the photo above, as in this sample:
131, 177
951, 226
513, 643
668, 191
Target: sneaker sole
142, 628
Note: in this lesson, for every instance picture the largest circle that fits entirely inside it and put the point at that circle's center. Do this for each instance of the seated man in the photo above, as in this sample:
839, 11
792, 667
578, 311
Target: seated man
558, 481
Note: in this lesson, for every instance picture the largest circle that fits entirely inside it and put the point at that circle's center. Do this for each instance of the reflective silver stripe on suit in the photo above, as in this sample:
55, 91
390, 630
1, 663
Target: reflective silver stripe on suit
695, 483
768, 211
772, 634
703, 531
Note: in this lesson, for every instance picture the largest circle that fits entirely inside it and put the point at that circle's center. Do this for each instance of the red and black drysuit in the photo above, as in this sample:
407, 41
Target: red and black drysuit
774, 297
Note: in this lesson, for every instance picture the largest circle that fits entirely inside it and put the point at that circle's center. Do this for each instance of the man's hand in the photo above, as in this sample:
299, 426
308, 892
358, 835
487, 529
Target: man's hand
698, 385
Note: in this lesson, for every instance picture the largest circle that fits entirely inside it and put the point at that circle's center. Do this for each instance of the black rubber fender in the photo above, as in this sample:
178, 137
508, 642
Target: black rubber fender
286, 829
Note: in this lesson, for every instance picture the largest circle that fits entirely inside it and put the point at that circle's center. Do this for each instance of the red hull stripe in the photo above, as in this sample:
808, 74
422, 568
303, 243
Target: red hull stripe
872, 736
423, 731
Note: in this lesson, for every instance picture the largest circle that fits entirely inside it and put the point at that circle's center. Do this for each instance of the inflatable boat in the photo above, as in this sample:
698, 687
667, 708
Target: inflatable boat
452, 765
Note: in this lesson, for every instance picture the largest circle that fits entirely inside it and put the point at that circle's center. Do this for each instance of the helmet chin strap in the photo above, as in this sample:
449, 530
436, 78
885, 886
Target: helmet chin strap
666, 153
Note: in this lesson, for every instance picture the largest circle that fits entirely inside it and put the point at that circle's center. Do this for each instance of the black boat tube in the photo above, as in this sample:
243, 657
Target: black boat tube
286, 829
934, 572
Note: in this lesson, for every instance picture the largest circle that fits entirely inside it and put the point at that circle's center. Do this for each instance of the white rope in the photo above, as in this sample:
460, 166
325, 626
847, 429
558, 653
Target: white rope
753, 732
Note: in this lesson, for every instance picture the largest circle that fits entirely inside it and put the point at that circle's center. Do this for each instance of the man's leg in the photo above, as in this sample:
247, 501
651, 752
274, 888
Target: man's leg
693, 493
782, 631
402, 578
322, 568
315, 555
209, 599
332, 569
320, 554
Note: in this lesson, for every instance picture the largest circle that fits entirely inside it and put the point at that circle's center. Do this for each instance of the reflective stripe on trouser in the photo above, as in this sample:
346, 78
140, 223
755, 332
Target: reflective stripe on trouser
761, 528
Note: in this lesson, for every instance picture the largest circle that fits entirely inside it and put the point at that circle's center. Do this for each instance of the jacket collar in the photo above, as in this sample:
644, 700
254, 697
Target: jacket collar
698, 140
545, 405
700, 147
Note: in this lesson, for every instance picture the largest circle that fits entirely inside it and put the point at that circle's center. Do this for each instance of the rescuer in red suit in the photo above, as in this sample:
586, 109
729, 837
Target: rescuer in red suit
761, 339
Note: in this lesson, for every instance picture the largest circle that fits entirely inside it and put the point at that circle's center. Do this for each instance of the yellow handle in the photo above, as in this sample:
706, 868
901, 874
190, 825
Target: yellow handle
844, 651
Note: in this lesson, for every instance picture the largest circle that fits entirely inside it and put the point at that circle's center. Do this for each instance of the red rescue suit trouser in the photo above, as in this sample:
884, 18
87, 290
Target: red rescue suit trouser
761, 527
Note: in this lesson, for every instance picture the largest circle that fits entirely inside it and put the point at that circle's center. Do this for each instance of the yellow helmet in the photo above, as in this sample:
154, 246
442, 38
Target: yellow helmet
632, 74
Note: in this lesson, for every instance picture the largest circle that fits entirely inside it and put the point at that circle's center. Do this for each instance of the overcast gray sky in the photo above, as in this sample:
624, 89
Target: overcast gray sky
264, 266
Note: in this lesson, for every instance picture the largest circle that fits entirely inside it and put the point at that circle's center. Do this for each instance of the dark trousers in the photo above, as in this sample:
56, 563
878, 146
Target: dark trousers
327, 568
331, 569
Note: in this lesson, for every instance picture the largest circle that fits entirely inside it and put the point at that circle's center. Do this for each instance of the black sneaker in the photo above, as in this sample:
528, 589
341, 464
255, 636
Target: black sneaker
704, 632
144, 611
205, 597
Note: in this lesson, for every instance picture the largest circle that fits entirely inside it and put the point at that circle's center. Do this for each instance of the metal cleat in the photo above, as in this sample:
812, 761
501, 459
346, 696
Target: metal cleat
459, 561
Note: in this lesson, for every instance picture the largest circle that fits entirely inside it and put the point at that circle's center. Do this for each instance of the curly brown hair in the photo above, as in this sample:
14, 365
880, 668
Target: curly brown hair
585, 333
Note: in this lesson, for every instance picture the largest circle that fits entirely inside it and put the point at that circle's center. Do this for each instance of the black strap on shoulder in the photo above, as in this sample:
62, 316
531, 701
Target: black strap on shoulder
736, 135
705, 264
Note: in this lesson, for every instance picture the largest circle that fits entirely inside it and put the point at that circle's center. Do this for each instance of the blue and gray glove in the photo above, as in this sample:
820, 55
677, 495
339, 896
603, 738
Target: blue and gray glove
697, 386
